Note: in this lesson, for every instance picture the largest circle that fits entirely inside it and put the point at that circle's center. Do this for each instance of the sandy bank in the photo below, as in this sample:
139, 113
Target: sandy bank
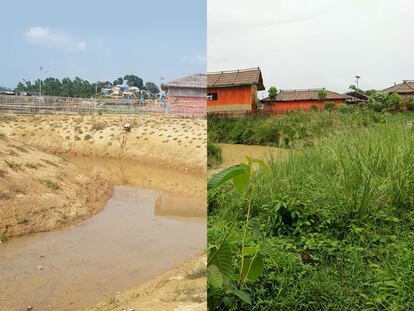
181, 289
169, 142
40, 192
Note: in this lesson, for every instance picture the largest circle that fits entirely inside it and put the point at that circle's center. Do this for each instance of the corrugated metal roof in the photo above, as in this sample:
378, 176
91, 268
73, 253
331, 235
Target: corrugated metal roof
308, 94
197, 81
252, 76
407, 86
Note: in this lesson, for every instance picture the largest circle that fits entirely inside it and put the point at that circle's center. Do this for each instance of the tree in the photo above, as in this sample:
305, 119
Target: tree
133, 80
322, 95
51, 87
118, 81
152, 87
272, 92
66, 88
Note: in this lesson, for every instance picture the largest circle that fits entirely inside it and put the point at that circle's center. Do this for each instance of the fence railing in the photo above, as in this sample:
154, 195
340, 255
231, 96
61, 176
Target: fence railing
64, 105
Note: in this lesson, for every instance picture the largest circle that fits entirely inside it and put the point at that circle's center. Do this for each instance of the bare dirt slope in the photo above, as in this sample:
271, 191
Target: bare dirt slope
182, 289
40, 192
179, 143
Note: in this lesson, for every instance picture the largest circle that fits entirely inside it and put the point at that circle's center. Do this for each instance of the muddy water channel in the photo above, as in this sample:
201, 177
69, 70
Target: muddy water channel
233, 154
154, 221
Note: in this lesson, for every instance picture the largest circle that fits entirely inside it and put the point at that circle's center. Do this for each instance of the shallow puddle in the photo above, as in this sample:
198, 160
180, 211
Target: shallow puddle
140, 234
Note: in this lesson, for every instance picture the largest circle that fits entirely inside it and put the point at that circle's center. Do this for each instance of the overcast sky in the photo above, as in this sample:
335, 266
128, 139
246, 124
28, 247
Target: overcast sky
102, 40
318, 43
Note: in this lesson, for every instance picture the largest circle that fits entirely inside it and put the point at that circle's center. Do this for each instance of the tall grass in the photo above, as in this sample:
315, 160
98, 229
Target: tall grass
348, 203
292, 129
213, 155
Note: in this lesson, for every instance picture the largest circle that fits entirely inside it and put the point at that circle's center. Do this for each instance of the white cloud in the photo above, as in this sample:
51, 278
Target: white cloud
319, 43
49, 37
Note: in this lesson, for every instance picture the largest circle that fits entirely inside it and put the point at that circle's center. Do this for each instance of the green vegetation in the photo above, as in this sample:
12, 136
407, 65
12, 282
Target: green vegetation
213, 155
14, 166
329, 106
230, 271
322, 95
382, 102
293, 129
272, 92
333, 223
52, 185
79, 87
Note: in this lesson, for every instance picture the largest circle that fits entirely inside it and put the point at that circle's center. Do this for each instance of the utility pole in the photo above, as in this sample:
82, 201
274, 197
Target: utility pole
40, 79
357, 81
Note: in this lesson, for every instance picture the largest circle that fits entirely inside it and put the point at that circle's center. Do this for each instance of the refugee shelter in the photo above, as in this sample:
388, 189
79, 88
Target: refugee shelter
301, 100
187, 96
404, 89
236, 90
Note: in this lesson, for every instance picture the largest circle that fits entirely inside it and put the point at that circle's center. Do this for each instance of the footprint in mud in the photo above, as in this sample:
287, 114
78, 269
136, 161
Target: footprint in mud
165, 141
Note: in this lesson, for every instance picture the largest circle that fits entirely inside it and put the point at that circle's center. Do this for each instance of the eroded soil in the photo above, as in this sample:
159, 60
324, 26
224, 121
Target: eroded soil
40, 192
168, 142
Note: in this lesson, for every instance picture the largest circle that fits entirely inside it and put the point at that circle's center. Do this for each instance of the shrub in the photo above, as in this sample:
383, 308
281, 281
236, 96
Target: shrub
322, 95
410, 104
329, 106
385, 102
52, 185
314, 108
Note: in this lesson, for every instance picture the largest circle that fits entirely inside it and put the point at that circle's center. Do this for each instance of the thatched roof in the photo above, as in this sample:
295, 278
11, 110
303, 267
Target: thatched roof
241, 77
308, 94
196, 81
406, 87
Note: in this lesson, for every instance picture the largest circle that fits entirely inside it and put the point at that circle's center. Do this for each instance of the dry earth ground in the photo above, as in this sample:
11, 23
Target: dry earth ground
172, 142
40, 192
182, 289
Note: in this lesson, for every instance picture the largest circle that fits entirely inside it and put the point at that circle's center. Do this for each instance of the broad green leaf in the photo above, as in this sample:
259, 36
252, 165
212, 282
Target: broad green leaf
242, 295
252, 269
224, 176
250, 250
224, 260
215, 278
241, 181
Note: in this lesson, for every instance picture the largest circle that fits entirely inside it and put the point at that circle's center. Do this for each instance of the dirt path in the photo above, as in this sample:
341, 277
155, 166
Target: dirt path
168, 142
40, 192
182, 289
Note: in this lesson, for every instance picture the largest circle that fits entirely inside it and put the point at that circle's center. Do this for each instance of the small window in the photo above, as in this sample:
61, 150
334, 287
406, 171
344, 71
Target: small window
212, 96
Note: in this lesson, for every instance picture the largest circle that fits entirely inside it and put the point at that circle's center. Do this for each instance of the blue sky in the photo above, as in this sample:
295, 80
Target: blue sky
102, 40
